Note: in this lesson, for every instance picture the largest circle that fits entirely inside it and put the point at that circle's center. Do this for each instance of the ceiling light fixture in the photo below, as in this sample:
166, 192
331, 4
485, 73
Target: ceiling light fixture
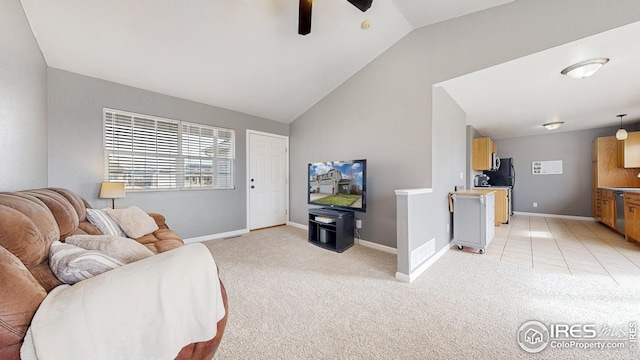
621, 134
584, 69
553, 125
304, 13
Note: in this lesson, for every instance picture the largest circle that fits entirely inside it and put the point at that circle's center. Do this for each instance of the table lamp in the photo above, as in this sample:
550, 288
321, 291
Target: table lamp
113, 191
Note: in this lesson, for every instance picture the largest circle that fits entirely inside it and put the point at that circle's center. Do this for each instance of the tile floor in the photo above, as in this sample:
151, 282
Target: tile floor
580, 248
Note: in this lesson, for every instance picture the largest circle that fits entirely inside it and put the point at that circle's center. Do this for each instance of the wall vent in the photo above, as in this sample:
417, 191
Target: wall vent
422, 253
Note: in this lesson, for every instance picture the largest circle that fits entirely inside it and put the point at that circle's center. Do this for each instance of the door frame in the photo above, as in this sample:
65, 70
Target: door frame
248, 175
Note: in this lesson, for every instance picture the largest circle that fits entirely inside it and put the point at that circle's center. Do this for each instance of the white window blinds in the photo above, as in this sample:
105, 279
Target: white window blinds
147, 152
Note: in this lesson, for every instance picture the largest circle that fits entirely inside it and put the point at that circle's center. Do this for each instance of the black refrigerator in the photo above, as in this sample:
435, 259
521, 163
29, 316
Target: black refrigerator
505, 176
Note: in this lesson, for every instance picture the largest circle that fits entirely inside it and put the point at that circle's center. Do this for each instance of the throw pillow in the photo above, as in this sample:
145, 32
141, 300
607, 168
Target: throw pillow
133, 221
71, 264
104, 223
124, 249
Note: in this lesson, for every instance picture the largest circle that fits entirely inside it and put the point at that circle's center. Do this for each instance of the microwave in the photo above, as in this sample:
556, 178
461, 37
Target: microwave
495, 162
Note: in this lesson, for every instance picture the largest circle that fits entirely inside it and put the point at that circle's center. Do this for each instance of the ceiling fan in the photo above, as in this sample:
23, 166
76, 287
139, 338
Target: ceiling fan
304, 13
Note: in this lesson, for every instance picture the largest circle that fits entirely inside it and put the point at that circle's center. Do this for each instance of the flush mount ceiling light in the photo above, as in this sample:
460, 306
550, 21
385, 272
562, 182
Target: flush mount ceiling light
584, 69
553, 125
621, 134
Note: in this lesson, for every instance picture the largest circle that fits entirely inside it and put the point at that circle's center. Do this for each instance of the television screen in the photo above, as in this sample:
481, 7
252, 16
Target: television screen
341, 184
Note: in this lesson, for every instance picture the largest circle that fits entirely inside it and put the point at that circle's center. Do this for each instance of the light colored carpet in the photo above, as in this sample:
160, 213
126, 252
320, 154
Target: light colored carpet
289, 299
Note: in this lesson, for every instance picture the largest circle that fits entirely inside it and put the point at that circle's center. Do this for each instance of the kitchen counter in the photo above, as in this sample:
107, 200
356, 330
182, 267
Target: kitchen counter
476, 190
466, 192
626, 189
491, 187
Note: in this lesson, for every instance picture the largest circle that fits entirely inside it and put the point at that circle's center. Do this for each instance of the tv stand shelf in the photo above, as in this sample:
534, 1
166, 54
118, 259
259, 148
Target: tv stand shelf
336, 235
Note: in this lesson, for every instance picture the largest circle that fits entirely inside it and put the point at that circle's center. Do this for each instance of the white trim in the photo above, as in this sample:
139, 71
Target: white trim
299, 226
425, 265
216, 236
585, 218
407, 192
376, 246
248, 164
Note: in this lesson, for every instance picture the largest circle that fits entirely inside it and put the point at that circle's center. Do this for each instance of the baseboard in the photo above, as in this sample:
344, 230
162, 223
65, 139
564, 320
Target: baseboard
425, 265
369, 244
299, 226
571, 217
215, 236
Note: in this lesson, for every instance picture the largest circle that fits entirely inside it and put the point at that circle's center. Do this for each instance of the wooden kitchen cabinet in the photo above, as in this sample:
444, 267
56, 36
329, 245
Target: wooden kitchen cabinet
605, 166
608, 216
631, 218
597, 203
606, 173
629, 151
481, 153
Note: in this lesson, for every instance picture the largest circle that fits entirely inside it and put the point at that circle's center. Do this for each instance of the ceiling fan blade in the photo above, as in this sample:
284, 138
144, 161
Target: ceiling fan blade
304, 17
363, 5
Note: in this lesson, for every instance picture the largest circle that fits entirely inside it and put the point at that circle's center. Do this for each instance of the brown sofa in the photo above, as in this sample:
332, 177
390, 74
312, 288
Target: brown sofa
29, 222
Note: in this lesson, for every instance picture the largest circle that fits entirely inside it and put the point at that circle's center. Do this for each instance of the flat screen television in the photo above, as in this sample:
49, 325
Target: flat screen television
338, 184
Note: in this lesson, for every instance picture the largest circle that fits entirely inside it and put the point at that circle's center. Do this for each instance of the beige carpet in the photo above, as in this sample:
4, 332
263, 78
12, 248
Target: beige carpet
289, 299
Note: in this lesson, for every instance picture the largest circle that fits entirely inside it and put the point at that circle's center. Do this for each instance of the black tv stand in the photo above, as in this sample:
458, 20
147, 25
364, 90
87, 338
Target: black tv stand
337, 233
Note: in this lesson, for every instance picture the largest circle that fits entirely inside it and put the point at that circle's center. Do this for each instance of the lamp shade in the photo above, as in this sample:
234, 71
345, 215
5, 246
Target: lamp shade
621, 134
112, 190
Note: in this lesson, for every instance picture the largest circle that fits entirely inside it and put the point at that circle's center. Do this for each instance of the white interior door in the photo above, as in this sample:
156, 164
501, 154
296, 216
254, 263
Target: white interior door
267, 180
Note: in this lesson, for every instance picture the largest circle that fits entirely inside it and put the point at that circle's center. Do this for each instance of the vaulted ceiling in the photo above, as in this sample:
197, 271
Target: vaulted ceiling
243, 55
246, 55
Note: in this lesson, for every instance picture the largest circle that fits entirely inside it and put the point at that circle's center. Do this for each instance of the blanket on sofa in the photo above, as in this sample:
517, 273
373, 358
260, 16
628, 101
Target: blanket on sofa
148, 309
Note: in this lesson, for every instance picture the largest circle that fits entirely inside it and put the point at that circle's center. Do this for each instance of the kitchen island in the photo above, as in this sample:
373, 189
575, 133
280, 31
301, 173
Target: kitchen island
503, 202
473, 218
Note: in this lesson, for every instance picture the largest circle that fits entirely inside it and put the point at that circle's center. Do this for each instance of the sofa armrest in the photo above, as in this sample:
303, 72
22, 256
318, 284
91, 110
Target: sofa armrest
160, 220
207, 349
18, 304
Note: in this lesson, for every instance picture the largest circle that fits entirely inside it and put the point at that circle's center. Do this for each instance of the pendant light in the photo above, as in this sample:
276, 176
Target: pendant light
621, 134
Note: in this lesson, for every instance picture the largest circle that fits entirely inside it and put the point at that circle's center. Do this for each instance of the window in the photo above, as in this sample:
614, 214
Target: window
147, 152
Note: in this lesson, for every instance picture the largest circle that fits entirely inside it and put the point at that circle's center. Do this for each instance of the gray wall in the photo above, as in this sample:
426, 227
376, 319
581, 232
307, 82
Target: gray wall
565, 194
384, 112
23, 103
449, 157
76, 154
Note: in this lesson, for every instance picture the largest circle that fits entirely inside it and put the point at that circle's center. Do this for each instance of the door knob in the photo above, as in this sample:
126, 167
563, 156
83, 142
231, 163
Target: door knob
253, 187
